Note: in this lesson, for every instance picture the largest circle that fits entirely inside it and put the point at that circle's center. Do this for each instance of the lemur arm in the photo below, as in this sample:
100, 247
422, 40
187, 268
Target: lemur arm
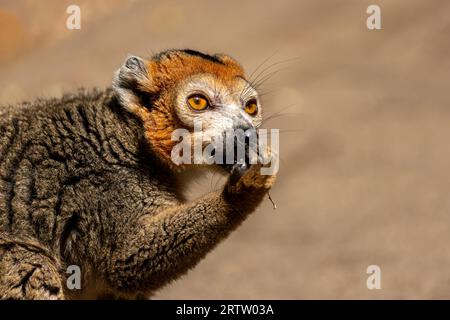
169, 243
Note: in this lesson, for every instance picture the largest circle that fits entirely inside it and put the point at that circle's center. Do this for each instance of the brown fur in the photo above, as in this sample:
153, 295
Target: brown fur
85, 180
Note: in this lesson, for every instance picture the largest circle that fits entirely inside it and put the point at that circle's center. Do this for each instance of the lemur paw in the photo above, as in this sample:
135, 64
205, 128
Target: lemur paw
245, 177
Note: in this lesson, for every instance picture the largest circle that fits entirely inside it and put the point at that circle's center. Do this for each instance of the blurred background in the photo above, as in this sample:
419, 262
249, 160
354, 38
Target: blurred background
365, 120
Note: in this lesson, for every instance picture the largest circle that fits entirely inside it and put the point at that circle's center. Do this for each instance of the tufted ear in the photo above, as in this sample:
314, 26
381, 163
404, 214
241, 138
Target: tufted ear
130, 81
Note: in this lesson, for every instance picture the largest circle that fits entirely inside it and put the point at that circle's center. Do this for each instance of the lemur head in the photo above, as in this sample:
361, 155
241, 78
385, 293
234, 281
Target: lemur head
176, 87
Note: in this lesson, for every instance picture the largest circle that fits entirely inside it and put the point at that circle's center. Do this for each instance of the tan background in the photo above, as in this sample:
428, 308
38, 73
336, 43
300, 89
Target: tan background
364, 176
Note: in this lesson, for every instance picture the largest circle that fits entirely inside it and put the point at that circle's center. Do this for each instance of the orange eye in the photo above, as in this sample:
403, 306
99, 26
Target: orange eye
251, 107
198, 102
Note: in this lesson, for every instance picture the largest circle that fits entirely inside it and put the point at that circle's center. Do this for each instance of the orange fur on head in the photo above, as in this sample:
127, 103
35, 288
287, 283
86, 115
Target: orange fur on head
165, 72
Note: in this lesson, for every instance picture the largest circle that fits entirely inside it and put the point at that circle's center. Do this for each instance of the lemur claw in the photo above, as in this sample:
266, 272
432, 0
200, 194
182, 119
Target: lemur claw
237, 171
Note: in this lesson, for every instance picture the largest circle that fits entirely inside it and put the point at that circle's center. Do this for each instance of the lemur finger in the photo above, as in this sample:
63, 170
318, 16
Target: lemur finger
236, 174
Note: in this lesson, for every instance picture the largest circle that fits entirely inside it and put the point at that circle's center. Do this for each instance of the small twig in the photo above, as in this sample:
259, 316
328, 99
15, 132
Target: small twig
271, 200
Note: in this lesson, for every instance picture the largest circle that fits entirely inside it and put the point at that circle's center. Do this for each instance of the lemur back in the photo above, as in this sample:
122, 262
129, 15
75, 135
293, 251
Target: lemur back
85, 180
57, 155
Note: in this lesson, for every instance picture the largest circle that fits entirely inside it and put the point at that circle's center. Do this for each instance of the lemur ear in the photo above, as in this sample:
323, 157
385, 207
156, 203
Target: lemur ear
130, 81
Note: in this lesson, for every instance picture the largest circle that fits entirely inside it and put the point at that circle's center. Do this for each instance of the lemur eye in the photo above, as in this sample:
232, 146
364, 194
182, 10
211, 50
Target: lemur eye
251, 107
198, 102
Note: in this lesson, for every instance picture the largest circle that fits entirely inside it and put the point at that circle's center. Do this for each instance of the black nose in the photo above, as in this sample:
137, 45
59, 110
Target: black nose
251, 142
242, 148
251, 136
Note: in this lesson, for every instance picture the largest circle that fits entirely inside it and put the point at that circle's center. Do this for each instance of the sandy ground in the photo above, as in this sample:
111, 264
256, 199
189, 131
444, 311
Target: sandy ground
364, 177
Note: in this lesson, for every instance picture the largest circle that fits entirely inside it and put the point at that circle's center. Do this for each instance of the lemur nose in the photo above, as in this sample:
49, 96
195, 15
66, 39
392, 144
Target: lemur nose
250, 134
250, 142
244, 148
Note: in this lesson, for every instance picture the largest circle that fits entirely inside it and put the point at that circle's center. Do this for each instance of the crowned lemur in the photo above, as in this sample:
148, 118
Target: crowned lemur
88, 179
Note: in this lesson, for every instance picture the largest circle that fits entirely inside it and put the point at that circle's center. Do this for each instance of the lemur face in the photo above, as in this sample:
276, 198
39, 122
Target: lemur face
176, 88
219, 105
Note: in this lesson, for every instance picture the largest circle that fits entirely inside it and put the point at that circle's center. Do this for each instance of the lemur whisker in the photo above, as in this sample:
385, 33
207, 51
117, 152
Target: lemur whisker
247, 88
257, 68
252, 82
289, 131
263, 134
271, 66
265, 93
276, 113
257, 84
264, 121
263, 62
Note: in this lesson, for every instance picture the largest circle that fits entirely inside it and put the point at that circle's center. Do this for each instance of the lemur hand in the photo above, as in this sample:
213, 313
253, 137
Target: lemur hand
248, 178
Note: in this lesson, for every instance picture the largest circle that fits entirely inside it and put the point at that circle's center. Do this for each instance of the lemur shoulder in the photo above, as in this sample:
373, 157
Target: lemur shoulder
88, 180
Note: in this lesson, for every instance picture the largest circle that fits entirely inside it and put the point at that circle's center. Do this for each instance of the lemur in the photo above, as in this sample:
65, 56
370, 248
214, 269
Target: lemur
87, 179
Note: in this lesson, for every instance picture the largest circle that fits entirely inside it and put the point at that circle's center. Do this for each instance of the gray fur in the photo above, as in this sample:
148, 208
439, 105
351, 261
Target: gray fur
132, 76
80, 185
